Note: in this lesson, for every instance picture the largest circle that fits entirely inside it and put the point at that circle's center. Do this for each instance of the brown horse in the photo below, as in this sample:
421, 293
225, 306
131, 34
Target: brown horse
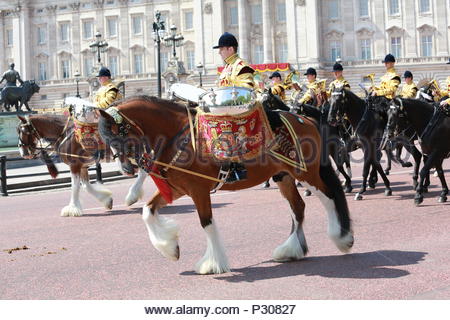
39, 133
159, 125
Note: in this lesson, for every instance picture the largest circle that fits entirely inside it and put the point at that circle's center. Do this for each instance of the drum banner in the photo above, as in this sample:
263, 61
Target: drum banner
87, 135
234, 137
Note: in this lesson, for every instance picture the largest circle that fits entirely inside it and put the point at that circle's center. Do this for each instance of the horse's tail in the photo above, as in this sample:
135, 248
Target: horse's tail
50, 164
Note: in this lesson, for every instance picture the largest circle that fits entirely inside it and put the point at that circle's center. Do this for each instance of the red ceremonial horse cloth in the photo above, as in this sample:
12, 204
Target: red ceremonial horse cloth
87, 135
234, 137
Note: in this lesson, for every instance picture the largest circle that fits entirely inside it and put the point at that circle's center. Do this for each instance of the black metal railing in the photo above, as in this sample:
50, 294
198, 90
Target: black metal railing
4, 177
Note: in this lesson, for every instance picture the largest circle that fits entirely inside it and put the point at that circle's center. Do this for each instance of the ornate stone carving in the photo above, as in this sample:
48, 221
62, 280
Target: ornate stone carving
75, 6
99, 3
426, 28
208, 9
334, 34
395, 30
364, 32
51, 9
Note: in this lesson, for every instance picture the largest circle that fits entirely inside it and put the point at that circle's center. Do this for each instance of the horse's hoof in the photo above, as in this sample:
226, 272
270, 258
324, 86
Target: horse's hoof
307, 193
386, 172
109, 204
388, 192
418, 200
435, 174
407, 164
425, 190
358, 197
71, 211
372, 185
442, 199
348, 189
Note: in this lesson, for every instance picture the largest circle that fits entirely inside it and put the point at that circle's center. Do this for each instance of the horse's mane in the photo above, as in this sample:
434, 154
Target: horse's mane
50, 122
164, 103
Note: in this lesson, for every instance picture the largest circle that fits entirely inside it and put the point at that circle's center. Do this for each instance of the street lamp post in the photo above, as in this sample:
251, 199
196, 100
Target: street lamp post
77, 80
158, 33
174, 40
98, 46
200, 68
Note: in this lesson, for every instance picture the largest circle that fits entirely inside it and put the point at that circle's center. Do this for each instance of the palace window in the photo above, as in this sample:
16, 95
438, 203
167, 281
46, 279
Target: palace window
233, 16
137, 24
188, 20
281, 12
41, 32
282, 52
363, 8
366, 50
394, 7
42, 71
427, 45
335, 50
333, 9
88, 64
396, 46
64, 31
112, 26
258, 54
190, 60
138, 64
9, 37
65, 69
88, 29
113, 65
164, 61
424, 6
256, 14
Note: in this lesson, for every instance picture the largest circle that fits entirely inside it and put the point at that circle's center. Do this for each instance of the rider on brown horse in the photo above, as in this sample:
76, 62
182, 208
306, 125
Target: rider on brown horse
235, 73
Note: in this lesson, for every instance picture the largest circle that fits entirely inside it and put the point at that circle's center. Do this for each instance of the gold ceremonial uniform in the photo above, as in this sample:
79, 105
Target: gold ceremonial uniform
312, 86
337, 83
279, 90
409, 91
442, 93
389, 84
107, 94
236, 73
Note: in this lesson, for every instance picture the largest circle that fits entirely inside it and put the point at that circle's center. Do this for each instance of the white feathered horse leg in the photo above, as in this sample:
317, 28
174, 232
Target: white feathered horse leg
74, 208
136, 191
97, 190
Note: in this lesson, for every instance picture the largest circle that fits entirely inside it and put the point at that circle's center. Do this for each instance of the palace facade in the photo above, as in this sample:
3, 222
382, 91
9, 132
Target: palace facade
49, 40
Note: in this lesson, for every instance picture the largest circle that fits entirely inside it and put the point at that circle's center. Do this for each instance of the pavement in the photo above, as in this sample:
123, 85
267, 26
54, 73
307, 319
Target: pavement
401, 251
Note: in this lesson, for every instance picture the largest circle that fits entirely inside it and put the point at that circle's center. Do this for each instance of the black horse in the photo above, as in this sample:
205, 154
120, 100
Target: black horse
19, 96
369, 128
433, 138
330, 135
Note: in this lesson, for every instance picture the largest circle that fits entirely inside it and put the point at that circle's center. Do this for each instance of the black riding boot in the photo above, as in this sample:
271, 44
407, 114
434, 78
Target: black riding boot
237, 172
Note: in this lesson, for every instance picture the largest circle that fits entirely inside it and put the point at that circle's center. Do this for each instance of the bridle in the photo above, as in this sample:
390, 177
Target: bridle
30, 130
340, 113
148, 158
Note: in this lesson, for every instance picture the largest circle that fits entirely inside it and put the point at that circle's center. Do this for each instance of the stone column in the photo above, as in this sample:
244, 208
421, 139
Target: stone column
199, 31
291, 21
52, 43
2, 42
312, 33
124, 38
76, 39
267, 31
244, 24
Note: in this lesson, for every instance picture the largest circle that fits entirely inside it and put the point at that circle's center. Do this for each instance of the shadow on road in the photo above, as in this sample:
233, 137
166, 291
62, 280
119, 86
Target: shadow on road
170, 209
369, 265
